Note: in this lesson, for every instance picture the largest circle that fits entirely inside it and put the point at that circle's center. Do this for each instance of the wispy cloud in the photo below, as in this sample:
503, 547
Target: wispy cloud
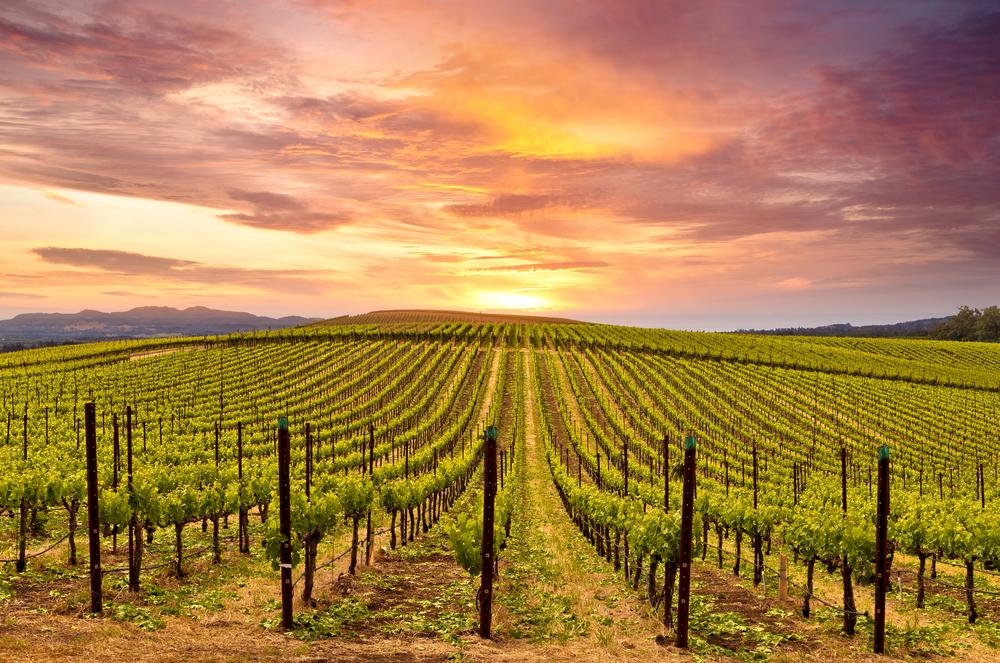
19, 295
119, 262
510, 204
639, 147
278, 211
124, 263
569, 265
59, 198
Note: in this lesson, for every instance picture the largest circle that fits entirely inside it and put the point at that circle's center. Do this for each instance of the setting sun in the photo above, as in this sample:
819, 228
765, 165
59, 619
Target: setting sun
329, 158
514, 301
456, 288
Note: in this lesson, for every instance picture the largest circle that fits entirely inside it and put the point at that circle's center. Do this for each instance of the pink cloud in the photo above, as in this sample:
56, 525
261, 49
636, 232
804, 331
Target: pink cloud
602, 132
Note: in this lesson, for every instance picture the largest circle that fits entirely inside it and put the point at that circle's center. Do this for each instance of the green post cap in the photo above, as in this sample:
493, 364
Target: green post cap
883, 452
491, 433
282, 423
690, 441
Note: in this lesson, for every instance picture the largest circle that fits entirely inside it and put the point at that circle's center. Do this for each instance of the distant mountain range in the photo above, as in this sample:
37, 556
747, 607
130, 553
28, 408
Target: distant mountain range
142, 322
911, 328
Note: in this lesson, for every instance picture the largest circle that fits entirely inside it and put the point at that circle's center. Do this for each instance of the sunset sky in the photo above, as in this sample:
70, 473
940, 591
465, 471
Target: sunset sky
700, 165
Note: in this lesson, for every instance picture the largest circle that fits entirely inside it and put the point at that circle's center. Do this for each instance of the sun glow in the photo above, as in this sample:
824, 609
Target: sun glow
517, 301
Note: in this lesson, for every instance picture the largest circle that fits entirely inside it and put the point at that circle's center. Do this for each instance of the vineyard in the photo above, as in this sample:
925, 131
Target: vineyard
382, 433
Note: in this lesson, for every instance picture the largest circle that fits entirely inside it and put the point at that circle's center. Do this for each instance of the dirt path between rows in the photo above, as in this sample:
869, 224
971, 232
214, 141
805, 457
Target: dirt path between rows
554, 589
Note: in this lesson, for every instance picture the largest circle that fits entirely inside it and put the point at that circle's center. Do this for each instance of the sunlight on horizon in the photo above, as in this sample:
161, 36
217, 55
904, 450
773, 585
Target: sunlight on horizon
514, 301
586, 159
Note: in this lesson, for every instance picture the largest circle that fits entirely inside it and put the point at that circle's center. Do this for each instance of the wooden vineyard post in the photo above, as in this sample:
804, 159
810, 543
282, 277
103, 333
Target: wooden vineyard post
489, 496
285, 523
625, 461
244, 535
758, 555
850, 611
783, 578
725, 461
216, 550
369, 530
371, 452
684, 558
134, 535
666, 473
843, 479
22, 536
309, 460
881, 548
115, 466
795, 483
93, 510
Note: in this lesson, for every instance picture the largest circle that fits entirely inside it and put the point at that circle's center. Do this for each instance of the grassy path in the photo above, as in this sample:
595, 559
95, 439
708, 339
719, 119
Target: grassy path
555, 590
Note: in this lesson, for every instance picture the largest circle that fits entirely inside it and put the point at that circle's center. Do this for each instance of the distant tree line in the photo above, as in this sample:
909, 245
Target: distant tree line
970, 324
910, 329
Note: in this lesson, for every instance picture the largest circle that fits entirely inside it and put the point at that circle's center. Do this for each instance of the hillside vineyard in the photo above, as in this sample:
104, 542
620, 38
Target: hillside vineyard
386, 425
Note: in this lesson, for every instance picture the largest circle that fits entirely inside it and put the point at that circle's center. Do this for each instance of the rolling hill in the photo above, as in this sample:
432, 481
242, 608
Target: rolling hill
397, 316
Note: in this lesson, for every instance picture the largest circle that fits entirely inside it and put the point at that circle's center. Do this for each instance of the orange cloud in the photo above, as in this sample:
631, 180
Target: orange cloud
616, 155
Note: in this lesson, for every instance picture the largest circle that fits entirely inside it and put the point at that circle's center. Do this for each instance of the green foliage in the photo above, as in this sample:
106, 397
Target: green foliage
180, 506
333, 622
970, 324
140, 617
356, 495
114, 508
466, 534
310, 518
